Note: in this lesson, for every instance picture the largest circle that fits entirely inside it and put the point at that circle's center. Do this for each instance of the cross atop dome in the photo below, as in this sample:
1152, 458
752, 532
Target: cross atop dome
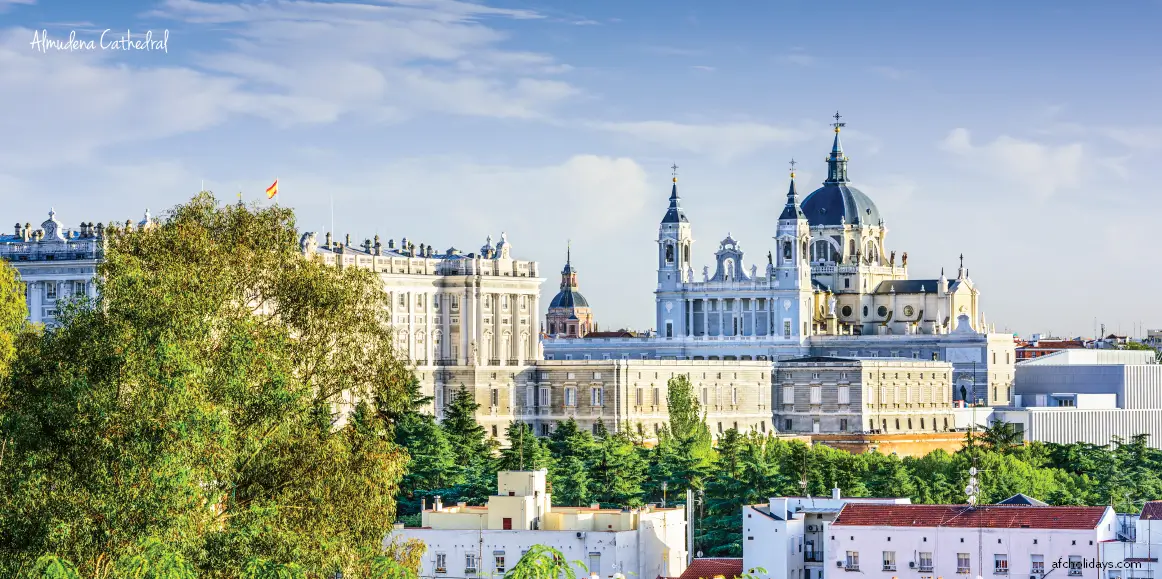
674, 171
793, 163
838, 125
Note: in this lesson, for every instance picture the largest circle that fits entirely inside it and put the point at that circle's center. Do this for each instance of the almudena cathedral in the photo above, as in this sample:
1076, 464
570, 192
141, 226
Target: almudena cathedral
830, 335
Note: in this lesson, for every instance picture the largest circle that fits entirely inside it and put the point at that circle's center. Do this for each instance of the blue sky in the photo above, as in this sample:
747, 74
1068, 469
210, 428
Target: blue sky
1024, 135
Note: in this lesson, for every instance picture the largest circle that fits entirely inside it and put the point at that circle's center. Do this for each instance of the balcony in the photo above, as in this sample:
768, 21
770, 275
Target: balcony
925, 568
1001, 571
446, 362
851, 567
963, 570
888, 567
811, 557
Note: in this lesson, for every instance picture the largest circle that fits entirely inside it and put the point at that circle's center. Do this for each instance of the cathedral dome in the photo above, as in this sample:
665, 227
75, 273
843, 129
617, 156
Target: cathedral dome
836, 203
569, 298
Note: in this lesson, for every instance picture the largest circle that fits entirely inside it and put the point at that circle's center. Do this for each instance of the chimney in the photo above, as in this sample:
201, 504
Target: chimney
18, 229
329, 240
835, 493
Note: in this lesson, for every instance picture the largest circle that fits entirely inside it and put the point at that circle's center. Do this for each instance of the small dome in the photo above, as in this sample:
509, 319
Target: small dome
836, 203
569, 298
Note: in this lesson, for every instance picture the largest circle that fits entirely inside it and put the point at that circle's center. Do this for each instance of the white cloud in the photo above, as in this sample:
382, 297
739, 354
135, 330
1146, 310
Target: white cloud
1038, 168
6, 4
290, 62
723, 141
703, 68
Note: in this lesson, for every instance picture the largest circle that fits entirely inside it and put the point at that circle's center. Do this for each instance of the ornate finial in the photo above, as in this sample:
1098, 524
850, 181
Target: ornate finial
793, 163
962, 260
838, 125
51, 213
674, 171
568, 251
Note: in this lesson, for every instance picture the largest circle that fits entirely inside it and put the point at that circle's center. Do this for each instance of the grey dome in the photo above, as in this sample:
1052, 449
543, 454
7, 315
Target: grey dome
569, 298
836, 203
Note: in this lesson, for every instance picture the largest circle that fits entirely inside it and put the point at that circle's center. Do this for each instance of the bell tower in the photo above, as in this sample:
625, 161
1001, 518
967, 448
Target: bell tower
674, 242
674, 269
791, 274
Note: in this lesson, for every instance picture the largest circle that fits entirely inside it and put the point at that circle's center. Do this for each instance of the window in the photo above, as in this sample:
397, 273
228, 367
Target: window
455, 302
595, 563
78, 288
1001, 564
441, 563
787, 425
498, 556
530, 397
816, 395
889, 560
852, 561
1037, 564
843, 425
657, 396
470, 563
638, 397
786, 328
403, 300
1074, 566
595, 398
705, 396
963, 563
788, 394
494, 431
734, 396
50, 290
844, 395
570, 396
925, 561
494, 397
543, 396
597, 375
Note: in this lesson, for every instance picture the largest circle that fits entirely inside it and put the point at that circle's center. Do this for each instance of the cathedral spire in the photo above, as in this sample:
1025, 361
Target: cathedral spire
792, 210
674, 214
837, 161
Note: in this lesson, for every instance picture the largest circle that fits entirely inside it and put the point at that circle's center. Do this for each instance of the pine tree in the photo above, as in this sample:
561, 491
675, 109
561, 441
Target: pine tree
617, 471
432, 463
468, 439
525, 450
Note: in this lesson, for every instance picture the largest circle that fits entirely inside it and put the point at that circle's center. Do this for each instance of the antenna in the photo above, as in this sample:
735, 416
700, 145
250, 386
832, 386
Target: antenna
332, 213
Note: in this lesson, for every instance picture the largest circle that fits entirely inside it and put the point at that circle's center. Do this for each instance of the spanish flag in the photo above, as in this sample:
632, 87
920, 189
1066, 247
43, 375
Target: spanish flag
272, 190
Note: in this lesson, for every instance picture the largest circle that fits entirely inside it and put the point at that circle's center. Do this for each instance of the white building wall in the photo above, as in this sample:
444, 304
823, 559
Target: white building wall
945, 543
656, 549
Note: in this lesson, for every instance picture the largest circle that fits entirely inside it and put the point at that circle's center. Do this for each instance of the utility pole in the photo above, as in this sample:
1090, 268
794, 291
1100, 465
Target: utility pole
689, 526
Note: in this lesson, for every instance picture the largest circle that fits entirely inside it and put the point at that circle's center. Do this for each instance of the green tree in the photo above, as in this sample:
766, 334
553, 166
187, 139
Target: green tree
206, 400
573, 450
469, 441
617, 472
13, 313
542, 562
431, 464
525, 451
1001, 437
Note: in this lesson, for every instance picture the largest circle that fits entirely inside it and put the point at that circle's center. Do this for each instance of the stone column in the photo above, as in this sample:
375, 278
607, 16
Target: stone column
535, 325
35, 295
430, 320
467, 326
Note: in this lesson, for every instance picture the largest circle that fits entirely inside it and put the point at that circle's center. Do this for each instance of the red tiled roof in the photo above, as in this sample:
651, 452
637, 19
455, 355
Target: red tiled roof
1152, 511
993, 516
710, 568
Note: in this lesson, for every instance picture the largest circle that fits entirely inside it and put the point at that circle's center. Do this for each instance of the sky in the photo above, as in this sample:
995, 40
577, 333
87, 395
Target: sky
1024, 135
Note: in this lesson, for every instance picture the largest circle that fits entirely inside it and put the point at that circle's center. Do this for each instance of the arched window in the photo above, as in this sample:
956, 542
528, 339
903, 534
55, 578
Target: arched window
851, 248
787, 250
686, 253
669, 253
872, 252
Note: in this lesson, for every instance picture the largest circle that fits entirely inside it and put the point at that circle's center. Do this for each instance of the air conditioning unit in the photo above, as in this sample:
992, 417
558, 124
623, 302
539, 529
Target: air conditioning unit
810, 528
911, 564
839, 563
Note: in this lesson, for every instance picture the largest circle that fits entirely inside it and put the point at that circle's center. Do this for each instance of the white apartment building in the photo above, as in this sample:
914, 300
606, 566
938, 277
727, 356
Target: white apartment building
465, 542
872, 541
785, 537
1135, 555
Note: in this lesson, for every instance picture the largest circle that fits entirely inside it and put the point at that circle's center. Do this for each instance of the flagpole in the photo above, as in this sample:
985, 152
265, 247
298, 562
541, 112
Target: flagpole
332, 214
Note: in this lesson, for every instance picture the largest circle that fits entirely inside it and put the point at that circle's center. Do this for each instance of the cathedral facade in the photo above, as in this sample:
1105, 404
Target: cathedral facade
830, 287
